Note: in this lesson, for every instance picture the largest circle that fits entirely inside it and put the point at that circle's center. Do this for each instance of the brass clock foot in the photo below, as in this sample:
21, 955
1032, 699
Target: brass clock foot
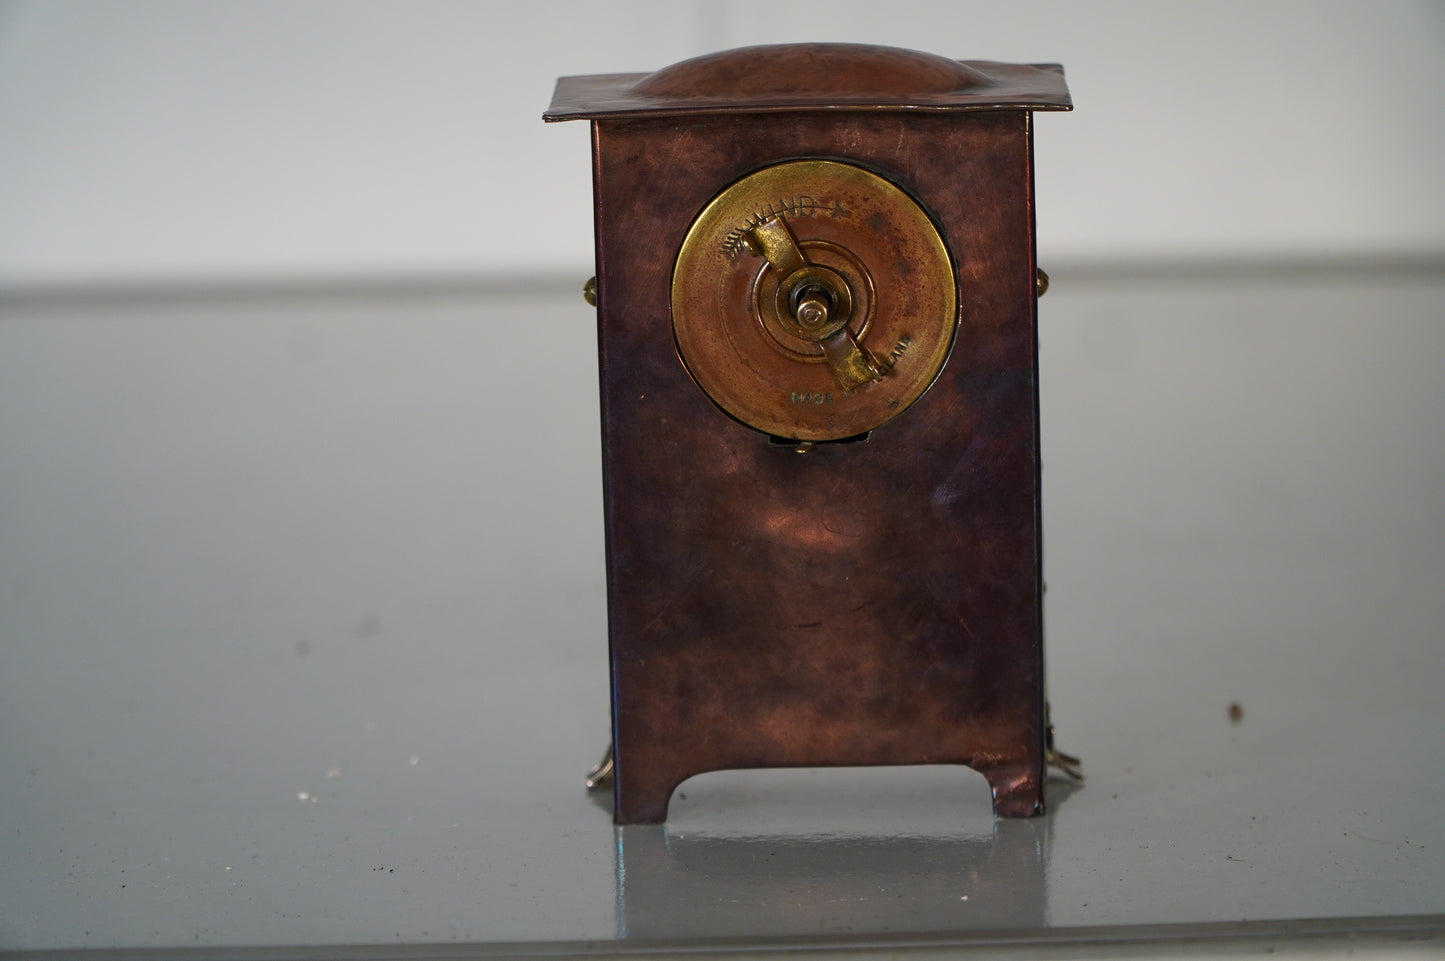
1066, 764
601, 774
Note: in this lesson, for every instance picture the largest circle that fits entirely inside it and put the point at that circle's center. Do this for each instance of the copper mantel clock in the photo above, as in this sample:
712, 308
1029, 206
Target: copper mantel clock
816, 297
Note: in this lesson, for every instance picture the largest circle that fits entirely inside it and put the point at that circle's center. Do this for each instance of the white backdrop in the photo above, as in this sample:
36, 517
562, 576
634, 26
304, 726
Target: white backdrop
158, 140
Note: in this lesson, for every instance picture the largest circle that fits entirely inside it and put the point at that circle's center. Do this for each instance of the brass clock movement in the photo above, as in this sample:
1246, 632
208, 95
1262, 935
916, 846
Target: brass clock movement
792, 304
816, 295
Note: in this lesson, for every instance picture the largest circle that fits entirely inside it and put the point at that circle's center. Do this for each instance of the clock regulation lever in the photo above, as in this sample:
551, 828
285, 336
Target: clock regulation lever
818, 304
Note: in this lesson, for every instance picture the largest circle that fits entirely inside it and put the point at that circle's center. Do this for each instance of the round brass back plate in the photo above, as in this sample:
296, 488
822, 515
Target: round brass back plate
852, 243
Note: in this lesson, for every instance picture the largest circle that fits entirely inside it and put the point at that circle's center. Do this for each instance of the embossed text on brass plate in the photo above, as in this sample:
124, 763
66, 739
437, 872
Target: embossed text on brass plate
814, 300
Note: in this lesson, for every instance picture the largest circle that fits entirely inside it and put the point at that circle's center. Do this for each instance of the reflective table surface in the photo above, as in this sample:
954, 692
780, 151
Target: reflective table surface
303, 652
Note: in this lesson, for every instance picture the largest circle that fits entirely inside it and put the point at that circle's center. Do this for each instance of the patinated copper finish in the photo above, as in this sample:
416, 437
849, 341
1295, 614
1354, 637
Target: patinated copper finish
865, 603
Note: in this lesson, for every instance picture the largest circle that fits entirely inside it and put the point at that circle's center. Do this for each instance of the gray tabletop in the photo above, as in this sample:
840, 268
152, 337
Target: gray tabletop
302, 640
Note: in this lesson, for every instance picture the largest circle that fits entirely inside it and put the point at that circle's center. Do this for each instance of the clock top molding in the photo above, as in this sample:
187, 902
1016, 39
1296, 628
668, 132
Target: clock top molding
812, 76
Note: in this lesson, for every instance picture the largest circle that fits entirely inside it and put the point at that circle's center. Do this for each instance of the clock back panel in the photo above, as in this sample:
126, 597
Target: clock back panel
866, 603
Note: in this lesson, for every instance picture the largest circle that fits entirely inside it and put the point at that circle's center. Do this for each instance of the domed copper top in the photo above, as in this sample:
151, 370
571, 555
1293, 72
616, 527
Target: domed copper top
812, 76
828, 70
